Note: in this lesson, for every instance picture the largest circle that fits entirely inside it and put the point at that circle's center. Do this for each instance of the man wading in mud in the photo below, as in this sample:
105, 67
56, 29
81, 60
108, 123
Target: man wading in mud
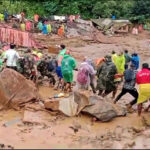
129, 86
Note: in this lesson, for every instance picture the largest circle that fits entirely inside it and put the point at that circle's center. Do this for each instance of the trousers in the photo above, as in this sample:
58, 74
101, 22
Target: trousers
133, 92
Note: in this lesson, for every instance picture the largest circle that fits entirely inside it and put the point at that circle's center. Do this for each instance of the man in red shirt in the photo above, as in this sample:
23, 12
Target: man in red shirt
143, 79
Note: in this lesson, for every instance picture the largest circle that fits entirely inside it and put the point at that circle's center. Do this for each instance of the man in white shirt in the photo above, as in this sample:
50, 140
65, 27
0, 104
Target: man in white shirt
11, 57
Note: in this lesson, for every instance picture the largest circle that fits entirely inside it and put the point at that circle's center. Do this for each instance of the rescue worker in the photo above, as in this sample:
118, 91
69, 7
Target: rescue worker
49, 28
29, 68
85, 76
58, 70
40, 26
42, 67
120, 63
44, 28
11, 57
105, 74
99, 62
61, 31
129, 86
143, 79
68, 64
6, 16
114, 56
23, 26
135, 60
127, 58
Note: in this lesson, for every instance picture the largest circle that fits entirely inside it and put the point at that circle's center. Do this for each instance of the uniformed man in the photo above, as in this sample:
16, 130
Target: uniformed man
42, 67
105, 74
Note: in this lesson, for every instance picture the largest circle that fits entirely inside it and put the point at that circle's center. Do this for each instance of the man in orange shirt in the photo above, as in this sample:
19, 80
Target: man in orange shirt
36, 18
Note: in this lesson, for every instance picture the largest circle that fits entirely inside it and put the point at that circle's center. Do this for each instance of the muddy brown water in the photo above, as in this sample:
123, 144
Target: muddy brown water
57, 133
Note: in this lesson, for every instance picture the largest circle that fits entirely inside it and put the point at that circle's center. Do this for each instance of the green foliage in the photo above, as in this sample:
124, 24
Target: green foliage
121, 9
136, 10
141, 11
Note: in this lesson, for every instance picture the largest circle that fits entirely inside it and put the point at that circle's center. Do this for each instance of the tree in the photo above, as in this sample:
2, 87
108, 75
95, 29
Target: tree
141, 11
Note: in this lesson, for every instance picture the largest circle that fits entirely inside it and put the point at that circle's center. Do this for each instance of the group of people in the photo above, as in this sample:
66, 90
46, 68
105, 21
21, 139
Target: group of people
37, 24
42, 25
114, 69
104, 75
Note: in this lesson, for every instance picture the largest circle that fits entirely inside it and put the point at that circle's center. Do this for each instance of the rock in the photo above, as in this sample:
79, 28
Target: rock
35, 107
70, 106
131, 144
38, 117
107, 144
120, 110
102, 110
83, 99
52, 104
65, 105
117, 145
15, 89
118, 132
147, 133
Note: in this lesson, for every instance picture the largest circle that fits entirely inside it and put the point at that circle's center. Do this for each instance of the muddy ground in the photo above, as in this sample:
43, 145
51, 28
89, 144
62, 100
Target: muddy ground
59, 131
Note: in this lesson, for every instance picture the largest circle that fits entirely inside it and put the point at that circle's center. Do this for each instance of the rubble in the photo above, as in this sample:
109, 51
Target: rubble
16, 90
52, 104
36, 117
115, 139
109, 26
102, 110
84, 101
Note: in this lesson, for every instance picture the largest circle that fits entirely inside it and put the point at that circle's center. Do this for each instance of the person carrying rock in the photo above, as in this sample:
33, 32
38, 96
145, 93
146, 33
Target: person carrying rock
68, 64
11, 57
143, 79
129, 86
105, 74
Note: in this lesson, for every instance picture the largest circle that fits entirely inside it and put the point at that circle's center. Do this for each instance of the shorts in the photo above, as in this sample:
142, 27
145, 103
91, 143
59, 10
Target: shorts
58, 72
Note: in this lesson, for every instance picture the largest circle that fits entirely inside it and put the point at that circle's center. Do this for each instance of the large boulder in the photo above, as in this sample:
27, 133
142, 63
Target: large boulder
84, 101
71, 105
15, 89
103, 109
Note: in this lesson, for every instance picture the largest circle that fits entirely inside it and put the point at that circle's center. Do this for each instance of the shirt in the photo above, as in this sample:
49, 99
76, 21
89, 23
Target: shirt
135, 60
130, 85
143, 76
127, 58
61, 56
12, 56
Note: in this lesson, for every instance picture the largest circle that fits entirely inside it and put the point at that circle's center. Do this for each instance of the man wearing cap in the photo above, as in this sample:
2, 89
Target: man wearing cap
105, 74
11, 57
129, 86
